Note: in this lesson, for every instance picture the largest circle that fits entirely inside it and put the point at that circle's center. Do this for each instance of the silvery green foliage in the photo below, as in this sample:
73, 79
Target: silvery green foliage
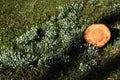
116, 7
71, 31
112, 9
21, 54
0, 39
118, 27
88, 59
117, 41
71, 9
59, 38
49, 41
117, 44
56, 40
19, 59
53, 59
93, 2
25, 38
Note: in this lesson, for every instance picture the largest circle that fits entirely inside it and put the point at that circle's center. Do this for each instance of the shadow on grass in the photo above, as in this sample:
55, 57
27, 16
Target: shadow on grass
97, 73
55, 71
110, 21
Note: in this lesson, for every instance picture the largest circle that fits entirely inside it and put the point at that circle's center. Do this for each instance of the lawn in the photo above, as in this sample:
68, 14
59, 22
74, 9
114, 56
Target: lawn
18, 16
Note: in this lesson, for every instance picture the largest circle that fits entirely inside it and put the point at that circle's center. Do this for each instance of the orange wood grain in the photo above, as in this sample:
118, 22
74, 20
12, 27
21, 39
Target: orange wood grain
97, 34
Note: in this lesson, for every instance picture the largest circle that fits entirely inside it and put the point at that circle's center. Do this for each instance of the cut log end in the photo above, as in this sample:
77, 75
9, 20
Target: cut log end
97, 34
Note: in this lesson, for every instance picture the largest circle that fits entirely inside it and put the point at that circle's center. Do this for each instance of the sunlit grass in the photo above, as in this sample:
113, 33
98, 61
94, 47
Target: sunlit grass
18, 16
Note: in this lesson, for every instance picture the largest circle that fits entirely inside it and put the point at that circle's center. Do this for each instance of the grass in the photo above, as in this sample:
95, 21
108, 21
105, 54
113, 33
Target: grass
18, 16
